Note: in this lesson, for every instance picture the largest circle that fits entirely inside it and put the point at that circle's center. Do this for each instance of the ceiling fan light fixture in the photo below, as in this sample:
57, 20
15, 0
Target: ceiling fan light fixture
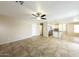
39, 15
38, 18
20, 2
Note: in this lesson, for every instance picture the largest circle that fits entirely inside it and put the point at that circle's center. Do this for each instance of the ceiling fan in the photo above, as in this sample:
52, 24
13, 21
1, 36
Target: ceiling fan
20, 2
40, 15
37, 15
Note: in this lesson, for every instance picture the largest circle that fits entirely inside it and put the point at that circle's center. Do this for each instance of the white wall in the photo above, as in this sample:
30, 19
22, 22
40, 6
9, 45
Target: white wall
34, 29
14, 29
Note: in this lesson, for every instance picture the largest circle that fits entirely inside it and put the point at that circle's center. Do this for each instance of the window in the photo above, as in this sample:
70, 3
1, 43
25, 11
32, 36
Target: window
62, 27
76, 28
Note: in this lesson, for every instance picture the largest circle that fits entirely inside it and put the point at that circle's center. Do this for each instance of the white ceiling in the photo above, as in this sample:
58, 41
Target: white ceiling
55, 10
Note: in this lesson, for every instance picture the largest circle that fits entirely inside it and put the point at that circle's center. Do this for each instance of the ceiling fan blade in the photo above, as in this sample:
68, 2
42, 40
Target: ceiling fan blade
43, 18
34, 15
21, 2
43, 15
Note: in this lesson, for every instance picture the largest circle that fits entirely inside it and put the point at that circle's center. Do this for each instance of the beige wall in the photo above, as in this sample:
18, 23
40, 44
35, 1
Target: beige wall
70, 28
45, 29
14, 29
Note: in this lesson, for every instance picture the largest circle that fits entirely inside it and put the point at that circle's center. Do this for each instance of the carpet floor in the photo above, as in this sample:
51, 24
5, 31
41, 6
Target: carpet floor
40, 47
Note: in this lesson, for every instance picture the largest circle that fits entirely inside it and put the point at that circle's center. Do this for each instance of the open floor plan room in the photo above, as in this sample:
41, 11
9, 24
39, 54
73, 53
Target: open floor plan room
39, 29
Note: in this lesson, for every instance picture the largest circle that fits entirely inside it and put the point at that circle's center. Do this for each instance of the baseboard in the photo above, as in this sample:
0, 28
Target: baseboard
15, 40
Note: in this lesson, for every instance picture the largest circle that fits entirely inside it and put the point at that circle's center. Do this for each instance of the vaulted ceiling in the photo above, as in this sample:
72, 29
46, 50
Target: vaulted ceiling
55, 10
